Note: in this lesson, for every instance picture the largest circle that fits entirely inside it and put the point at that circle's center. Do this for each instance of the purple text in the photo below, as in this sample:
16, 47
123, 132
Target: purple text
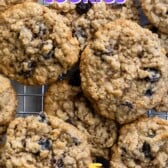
86, 1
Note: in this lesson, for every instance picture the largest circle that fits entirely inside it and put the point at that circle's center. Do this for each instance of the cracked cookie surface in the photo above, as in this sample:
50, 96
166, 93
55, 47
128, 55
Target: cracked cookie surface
142, 144
85, 19
124, 71
164, 41
163, 105
36, 44
5, 4
40, 141
157, 13
68, 103
8, 103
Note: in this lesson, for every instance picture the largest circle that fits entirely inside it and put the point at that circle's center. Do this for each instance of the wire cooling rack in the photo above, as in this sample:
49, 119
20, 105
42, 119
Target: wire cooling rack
31, 98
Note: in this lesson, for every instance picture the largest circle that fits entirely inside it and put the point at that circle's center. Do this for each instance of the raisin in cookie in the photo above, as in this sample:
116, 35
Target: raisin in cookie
36, 45
68, 103
163, 106
123, 71
142, 144
8, 103
157, 13
86, 18
5, 4
49, 142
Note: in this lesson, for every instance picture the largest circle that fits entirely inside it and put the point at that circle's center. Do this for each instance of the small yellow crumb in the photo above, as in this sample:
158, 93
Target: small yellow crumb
95, 165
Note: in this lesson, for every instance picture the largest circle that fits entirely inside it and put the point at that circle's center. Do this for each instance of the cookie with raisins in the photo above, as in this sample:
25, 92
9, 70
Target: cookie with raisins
124, 71
157, 13
45, 141
67, 102
86, 18
142, 144
36, 44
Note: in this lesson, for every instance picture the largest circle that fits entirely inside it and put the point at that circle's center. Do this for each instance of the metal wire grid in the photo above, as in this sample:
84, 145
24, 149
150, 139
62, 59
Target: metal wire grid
31, 99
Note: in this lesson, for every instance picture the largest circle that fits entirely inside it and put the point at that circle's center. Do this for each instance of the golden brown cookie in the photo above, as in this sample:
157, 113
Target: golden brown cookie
142, 144
40, 141
124, 71
5, 4
86, 18
8, 104
157, 13
68, 103
36, 44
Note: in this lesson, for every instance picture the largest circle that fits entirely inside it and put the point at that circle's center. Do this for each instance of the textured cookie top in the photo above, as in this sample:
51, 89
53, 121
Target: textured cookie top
163, 106
5, 4
124, 71
162, 36
8, 103
68, 103
142, 144
38, 142
164, 41
4, 84
36, 45
98, 11
85, 19
157, 13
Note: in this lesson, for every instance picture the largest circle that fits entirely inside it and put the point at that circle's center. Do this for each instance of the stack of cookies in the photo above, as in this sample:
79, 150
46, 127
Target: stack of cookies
104, 70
